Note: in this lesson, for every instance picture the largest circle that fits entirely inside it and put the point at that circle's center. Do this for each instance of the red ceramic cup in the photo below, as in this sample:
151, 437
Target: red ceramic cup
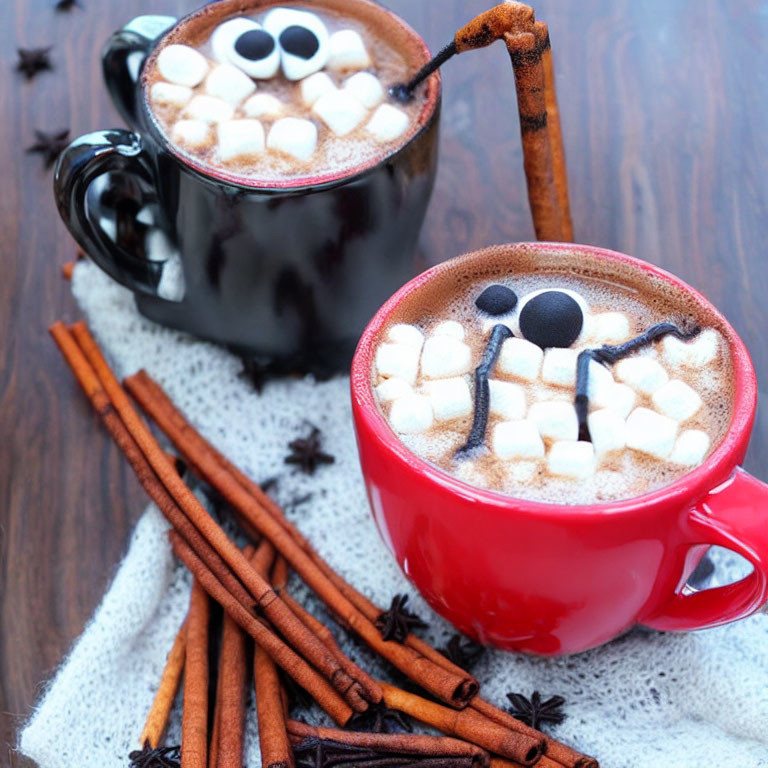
554, 579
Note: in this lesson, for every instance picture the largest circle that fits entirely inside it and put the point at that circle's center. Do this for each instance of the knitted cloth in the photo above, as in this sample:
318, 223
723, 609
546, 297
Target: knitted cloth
647, 699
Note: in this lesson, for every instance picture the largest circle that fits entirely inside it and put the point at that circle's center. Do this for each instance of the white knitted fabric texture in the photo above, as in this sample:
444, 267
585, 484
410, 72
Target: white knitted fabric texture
647, 699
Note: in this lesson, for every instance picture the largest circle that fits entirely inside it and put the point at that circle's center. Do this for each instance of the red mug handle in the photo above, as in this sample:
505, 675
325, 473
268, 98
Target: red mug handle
729, 516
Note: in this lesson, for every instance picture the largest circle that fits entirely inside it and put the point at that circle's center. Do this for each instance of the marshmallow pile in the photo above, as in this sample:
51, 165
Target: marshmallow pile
641, 404
216, 102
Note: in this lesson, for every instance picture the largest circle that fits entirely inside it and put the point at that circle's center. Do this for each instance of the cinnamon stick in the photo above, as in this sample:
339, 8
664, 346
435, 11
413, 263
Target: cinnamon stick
268, 602
194, 720
406, 743
537, 149
191, 444
555, 750
319, 688
455, 689
466, 724
231, 696
273, 737
279, 578
157, 719
554, 131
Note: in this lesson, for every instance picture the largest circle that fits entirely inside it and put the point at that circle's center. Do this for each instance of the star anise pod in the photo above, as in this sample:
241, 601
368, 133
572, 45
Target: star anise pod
534, 711
397, 622
66, 5
162, 757
50, 145
378, 718
463, 653
33, 60
307, 453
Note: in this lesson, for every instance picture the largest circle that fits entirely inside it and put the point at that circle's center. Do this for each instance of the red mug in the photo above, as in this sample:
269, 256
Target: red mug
553, 579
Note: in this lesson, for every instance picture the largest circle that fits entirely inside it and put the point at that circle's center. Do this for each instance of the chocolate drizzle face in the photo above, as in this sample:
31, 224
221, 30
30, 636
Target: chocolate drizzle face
607, 355
499, 335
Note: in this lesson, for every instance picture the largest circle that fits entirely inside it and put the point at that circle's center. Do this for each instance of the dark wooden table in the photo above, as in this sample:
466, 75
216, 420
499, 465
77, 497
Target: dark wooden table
664, 106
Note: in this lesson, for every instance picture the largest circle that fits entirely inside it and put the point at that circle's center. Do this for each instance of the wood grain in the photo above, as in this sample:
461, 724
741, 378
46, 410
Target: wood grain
663, 106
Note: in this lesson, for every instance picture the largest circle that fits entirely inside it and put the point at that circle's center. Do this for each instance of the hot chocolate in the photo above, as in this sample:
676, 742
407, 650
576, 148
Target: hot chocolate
267, 91
565, 383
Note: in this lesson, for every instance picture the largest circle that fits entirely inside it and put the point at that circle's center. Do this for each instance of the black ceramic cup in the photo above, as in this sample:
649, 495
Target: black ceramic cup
287, 274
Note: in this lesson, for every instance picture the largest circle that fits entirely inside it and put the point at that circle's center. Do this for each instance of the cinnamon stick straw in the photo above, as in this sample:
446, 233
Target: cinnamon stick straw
537, 149
282, 654
407, 743
231, 696
194, 720
275, 747
466, 724
555, 131
455, 689
157, 719
269, 603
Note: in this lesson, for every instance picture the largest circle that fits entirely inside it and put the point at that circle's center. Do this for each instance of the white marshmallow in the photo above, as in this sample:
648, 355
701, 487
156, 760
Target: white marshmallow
622, 398
517, 439
609, 328
412, 413
392, 389
315, 86
224, 37
240, 137
403, 333
388, 123
651, 433
677, 400
366, 88
559, 367
523, 471
643, 374
182, 65
695, 353
507, 400
295, 67
571, 458
229, 84
691, 448
608, 430
347, 51
449, 328
263, 105
398, 360
555, 419
294, 136
209, 109
445, 356
340, 111
601, 385
168, 93
520, 358
190, 133
450, 398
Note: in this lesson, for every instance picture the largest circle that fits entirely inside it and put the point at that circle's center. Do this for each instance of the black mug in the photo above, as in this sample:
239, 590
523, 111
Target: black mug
289, 276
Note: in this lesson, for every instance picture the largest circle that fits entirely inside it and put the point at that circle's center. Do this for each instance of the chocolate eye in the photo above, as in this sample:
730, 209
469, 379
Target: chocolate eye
552, 318
243, 43
496, 300
303, 41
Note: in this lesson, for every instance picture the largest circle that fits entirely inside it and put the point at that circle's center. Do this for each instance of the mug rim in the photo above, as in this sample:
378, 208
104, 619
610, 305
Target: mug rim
692, 485
427, 116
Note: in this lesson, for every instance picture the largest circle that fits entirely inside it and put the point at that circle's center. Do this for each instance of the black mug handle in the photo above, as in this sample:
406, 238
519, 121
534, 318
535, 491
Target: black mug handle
123, 57
81, 163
